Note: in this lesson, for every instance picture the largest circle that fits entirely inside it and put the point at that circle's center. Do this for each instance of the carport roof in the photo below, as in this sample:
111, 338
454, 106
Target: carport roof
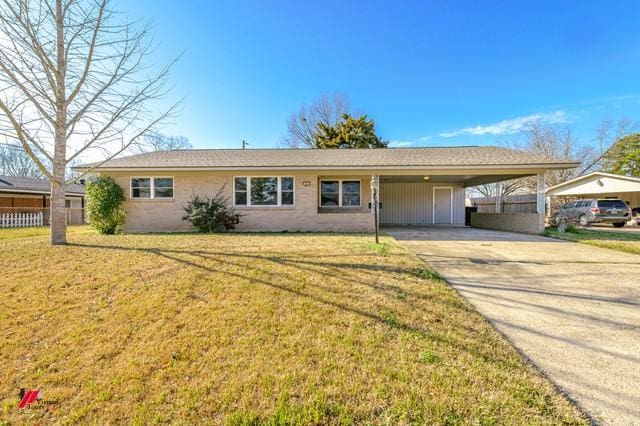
20, 184
591, 176
389, 158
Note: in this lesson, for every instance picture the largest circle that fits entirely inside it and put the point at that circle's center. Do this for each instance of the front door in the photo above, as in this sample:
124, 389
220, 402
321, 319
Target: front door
442, 205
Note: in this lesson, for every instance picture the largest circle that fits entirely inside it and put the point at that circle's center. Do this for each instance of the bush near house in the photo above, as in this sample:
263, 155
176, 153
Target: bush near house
103, 206
209, 215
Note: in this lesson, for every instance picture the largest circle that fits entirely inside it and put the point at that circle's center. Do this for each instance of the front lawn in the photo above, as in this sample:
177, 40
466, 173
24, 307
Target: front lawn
617, 240
38, 231
249, 328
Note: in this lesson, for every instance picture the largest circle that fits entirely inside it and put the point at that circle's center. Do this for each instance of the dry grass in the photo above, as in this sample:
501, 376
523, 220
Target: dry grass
628, 242
39, 231
248, 329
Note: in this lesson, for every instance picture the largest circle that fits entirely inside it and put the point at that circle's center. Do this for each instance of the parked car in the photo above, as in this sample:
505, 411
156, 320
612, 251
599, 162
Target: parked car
586, 212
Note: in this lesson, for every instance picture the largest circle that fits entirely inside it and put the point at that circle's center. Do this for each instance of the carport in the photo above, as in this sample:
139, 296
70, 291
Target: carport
597, 185
436, 196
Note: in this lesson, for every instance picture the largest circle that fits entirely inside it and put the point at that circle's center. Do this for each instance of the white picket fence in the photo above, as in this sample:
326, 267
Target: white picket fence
19, 220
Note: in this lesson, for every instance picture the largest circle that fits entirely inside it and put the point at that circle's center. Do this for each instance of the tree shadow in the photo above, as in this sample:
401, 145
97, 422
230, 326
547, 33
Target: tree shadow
459, 345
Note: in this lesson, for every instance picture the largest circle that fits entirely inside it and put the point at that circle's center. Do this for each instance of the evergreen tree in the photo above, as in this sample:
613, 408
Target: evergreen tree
349, 132
624, 156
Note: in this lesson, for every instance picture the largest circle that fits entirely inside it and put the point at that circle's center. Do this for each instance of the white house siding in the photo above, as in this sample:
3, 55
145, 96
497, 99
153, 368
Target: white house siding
411, 203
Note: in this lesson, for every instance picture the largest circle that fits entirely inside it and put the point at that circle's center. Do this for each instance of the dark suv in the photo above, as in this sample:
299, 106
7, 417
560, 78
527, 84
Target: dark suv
586, 212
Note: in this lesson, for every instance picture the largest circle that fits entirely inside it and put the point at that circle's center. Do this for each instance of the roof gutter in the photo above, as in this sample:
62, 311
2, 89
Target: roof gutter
35, 192
527, 166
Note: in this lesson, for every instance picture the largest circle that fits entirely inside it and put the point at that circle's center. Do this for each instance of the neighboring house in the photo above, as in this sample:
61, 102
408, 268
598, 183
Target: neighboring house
598, 185
316, 189
23, 195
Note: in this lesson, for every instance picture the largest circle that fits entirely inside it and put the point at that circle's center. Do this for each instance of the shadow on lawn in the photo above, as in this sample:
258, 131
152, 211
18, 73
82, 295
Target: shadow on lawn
317, 268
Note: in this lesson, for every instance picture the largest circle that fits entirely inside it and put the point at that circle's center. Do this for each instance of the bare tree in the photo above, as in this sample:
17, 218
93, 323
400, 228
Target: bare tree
552, 141
545, 140
74, 80
502, 189
15, 162
302, 125
607, 134
157, 141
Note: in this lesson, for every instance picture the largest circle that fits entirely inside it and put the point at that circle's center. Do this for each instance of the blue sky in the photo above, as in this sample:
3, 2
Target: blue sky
429, 73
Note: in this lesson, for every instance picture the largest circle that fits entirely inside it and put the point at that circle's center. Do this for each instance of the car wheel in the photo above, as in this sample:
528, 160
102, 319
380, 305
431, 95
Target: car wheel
584, 221
618, 224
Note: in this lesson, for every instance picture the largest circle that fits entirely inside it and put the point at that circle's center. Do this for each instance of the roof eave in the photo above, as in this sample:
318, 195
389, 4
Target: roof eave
549, 166
587, 176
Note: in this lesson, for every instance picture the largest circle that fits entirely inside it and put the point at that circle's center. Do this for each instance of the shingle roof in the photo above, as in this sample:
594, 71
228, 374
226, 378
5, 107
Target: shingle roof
332, 158
21, 184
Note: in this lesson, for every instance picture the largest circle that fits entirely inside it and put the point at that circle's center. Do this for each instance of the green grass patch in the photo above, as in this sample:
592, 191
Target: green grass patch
380, 248
428, 273
428, 357
628, 242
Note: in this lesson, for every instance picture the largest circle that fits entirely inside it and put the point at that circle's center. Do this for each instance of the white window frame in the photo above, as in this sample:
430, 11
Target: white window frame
152, 195
266, 206
339, 206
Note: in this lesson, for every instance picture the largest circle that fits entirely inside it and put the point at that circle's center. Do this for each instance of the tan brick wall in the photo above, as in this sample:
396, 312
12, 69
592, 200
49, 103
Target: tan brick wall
166, 215
527, 223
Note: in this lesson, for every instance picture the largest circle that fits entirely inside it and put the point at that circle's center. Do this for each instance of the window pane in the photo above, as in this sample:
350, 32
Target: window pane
163, 192
141, 193
241, 184
163, 182
264, 191
350, 193
618, 204
241, 198
329, 186
286, 183
351, 186
350, 200
287, 198
329, 200
141, 183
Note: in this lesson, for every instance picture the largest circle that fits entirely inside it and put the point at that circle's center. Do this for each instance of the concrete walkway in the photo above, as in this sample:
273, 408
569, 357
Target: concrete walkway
573, 309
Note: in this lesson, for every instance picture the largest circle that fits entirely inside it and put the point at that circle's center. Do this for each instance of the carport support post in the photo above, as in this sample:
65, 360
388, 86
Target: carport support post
540, 199
375, 180
499, 197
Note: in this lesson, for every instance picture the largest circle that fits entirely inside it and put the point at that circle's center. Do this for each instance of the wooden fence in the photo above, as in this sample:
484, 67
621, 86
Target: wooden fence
522, 203
18, 217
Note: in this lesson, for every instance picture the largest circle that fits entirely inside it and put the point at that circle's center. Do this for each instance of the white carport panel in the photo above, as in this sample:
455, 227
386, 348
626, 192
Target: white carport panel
596, 184
411, 203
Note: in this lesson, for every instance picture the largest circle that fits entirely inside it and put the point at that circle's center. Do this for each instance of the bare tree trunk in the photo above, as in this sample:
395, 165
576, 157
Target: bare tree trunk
58, 187
58, 220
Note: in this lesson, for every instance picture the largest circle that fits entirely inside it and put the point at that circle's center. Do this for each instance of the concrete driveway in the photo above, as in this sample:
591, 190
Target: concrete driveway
573, 309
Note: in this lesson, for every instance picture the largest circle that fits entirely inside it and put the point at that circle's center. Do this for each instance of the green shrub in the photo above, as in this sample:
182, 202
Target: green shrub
571, 228
211, 214
103, 207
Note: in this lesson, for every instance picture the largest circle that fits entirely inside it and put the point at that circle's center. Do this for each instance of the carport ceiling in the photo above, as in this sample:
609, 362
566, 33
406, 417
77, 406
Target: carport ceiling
466, 180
